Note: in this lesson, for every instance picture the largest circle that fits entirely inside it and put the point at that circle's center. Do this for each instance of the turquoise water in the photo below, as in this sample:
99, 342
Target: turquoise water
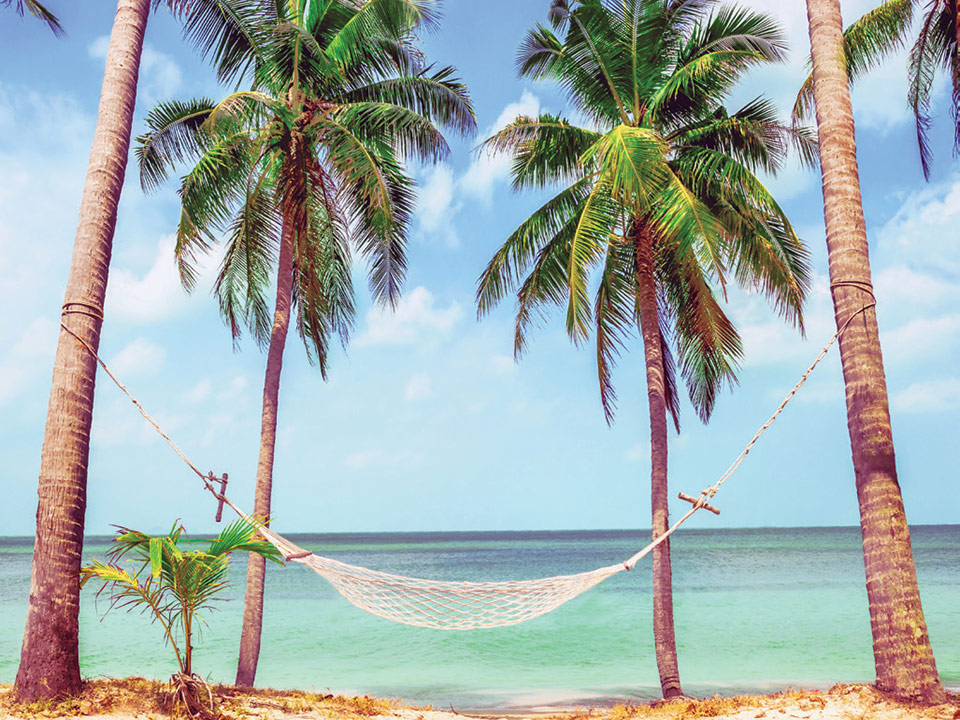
756, 610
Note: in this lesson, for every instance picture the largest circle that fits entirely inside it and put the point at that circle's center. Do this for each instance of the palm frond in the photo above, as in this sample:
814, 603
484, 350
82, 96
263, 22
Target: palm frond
38, 11
866, 42
545, 150
504, 271
244, 281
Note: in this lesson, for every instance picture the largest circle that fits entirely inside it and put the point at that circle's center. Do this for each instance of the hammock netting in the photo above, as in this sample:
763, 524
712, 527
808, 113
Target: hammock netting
442, 604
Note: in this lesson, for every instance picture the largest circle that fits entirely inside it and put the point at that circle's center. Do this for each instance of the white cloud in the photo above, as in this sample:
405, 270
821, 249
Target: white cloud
44, 148
637, 453
160, 76
436, 209
199, 392
921, 338
235, 389
419, 387
29, 359
441, 192
158, 295
898, 285
367, 459
487, 170
503, 364
415, 315
930, 396
139, 357
923, 232
118, 424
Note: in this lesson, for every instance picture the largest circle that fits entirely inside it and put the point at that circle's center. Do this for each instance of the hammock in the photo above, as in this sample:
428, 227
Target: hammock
452, 605
449, 605
439, 604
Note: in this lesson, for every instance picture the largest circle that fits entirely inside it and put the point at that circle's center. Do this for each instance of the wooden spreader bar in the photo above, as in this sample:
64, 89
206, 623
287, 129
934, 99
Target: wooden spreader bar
223, 491
693, 501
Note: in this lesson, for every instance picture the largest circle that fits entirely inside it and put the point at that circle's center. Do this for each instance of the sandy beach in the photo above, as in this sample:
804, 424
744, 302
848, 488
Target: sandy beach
137, 699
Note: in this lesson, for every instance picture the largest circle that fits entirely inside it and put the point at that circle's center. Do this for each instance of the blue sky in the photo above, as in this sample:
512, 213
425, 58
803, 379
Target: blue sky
426, 422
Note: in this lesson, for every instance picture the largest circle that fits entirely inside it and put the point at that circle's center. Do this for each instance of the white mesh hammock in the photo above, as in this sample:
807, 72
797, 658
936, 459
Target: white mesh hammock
451, 605
442, 604
455, 605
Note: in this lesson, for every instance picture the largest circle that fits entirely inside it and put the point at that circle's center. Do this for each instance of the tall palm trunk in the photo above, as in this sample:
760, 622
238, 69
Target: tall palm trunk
256, 567
49, 659
663, 632
901, 647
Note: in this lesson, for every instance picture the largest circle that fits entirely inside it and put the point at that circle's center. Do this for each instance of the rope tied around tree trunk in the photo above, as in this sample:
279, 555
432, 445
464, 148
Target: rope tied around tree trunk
85, 308
456, 605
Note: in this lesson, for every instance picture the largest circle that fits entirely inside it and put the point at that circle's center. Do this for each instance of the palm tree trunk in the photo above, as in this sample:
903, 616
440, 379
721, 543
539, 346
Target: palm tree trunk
49, 659
901, 647
256, 566
663, 631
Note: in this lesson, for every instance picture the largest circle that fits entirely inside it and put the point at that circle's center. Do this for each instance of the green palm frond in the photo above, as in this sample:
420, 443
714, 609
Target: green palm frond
630, 162
175, 134
935, 48
615, 316
866, 42
504, 272
38, 11
596, 223
411, 134
323, 287
708, 345
243, 283
546, 150
546, 285
380, 18
207, 194
225, 32
438, 95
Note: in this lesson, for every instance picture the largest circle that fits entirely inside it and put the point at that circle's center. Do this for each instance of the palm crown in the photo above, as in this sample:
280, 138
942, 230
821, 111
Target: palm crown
658, 161
313, 152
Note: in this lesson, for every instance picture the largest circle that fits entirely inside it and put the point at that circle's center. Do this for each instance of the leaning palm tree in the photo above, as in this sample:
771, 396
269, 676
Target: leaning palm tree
296, 171
660, 200
38, 11
885, 29
49, 659
901, 646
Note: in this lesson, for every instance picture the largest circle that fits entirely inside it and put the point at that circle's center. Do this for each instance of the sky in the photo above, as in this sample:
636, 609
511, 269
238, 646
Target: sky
426, 422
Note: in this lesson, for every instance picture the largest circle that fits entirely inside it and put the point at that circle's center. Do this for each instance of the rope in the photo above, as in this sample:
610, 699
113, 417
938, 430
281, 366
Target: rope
89, 310
156, 426
465, 605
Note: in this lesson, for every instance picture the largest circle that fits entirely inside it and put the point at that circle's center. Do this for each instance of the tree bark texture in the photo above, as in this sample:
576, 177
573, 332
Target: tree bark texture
256, 565
49, 659
663, 630
904, 659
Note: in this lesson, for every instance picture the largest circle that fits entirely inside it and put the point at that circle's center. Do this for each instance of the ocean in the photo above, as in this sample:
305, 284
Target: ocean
756, 610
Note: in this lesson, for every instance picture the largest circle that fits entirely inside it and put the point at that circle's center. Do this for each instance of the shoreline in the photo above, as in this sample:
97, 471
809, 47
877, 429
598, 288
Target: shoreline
137, 698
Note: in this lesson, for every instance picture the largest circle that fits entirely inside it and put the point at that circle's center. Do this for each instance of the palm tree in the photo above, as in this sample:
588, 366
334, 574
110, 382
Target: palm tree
296, 170
49, 659
180, 585
661, 199
901, 646
38, 11
884, 30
